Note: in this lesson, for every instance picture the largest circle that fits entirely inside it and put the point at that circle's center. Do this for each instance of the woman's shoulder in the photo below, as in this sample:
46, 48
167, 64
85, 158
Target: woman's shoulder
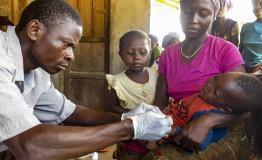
218, 42
171, 50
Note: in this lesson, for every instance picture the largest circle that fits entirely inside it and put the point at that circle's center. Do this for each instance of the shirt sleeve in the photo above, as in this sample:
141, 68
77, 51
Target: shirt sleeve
53, 107
230, 57
15, 115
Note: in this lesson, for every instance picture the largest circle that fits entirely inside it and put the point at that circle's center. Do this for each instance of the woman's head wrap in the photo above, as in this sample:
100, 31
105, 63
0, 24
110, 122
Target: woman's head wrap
226, 3
215, 3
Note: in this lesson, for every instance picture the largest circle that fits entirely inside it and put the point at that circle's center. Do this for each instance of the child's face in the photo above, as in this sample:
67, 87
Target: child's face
223, 92
135, 53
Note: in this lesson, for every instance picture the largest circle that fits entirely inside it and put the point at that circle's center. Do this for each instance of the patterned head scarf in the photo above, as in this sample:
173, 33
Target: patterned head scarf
216, 5
226, 3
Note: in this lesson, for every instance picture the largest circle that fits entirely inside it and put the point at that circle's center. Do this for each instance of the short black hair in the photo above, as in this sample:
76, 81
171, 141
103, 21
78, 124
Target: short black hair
252, 87
49, 12
153, 38
131, 34
169, 39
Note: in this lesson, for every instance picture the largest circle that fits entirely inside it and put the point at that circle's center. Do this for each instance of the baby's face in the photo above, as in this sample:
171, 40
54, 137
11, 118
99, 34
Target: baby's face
222, 91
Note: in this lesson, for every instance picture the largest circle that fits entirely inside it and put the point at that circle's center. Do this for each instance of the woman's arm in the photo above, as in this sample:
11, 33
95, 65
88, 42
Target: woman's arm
161, 97
239, 68
235, 35
196, 130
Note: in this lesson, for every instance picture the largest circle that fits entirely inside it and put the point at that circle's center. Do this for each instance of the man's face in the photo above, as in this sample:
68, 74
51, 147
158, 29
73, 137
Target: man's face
196, 17
54, 49
257, 8
222, 91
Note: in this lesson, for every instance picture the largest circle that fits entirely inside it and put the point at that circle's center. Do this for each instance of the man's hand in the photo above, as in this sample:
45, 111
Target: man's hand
194, 133
151, 126
141, 108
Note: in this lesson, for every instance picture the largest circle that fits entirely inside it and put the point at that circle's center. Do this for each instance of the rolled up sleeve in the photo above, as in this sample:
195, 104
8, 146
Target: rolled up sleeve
53, 107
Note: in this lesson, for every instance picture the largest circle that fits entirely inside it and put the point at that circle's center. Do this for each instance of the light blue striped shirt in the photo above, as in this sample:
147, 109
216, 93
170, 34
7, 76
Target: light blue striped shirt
39, 102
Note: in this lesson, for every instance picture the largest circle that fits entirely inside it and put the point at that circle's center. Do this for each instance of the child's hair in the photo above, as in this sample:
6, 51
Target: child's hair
49, 12
252, 87
130, 34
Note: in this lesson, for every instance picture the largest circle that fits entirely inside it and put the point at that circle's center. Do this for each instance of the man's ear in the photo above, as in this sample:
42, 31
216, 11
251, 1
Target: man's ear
35, 30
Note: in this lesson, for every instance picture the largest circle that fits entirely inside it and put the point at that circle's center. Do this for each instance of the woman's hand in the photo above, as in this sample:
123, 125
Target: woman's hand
194, 133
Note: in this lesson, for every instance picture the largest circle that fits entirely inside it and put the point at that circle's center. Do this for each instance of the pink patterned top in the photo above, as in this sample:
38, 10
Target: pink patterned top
184, 79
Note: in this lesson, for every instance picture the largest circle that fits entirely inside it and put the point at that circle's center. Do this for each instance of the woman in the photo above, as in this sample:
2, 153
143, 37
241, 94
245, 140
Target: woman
183, 69
223, 27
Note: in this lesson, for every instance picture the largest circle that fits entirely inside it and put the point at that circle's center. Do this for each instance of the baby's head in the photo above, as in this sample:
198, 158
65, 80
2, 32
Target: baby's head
134, 50
235, 91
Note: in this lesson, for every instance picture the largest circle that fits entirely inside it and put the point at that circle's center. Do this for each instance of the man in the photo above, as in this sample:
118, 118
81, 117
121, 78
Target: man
41, 44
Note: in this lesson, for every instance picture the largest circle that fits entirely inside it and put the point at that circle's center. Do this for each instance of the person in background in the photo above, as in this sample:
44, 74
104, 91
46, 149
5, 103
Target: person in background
131, 87
223, 27
4, 22
169, 39
155, 50
183, 70
31, 108
251, 41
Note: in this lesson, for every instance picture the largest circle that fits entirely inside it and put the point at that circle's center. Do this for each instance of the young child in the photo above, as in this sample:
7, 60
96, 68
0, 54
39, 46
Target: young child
251, 41
156, 51
231, 92
135, 85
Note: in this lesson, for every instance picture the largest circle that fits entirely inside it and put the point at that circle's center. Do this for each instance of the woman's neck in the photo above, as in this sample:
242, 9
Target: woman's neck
194, 43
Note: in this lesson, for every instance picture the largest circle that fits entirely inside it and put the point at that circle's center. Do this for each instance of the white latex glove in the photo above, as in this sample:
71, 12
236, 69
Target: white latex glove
151, 126
141, 108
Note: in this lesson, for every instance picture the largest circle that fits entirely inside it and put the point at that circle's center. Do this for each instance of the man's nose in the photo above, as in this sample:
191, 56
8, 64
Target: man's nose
69, 54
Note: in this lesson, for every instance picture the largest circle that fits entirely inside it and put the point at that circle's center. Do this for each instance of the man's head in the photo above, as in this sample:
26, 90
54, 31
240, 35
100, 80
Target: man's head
48, 31
239, 92
257, 8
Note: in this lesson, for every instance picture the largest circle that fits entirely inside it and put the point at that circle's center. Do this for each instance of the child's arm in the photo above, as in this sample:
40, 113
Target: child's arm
114, 103
161, 97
